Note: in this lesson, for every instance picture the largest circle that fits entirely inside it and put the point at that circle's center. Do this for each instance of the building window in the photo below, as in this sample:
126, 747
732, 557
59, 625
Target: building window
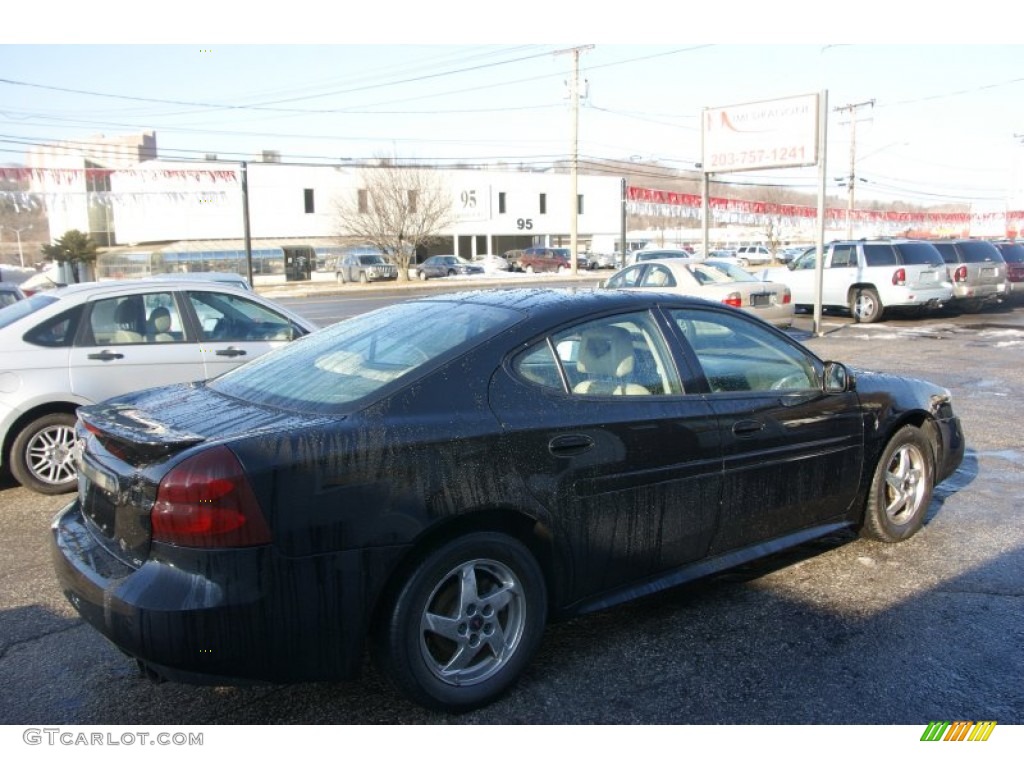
543, 203
364, 206
501, 202
579, 204
308, 193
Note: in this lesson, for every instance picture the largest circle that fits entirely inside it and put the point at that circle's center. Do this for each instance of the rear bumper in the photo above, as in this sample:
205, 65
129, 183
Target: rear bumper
219, 615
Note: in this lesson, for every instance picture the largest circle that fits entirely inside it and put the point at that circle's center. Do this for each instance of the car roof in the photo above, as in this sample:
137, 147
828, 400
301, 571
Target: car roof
548, 302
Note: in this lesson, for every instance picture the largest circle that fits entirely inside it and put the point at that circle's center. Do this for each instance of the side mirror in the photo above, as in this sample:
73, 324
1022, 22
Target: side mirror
838, 378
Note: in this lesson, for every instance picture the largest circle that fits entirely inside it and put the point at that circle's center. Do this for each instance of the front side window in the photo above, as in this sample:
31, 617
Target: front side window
619, 355
658, 276
738, 355
225, 317
627, 278
846, 256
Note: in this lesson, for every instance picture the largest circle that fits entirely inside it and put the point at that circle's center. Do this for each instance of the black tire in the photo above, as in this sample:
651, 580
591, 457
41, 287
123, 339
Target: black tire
341, 278
41, 455
422, 274
504, 602
901, 489
363, 278
451, 273
865, 306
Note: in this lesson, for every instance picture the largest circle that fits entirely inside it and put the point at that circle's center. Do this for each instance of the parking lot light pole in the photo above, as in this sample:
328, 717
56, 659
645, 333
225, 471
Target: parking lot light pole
17, 232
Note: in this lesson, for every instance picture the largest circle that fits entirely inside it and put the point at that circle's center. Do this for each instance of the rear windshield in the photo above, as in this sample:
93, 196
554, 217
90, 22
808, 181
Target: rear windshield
358, 358
920, 253
1012, 252
20, 309
971, 252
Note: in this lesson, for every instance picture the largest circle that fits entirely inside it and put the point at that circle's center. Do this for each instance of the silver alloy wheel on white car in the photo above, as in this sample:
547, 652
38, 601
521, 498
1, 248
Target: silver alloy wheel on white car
41, 455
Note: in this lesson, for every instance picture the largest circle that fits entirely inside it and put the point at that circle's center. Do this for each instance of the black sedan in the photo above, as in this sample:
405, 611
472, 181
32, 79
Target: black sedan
438, 479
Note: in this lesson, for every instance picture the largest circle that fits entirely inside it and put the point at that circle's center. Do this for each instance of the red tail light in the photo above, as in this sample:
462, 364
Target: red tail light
206, 501
787, 296
961, 274
733, 300
899, 277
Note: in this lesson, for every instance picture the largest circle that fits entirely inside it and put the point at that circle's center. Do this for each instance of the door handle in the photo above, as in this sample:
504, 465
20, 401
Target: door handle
106, 354
570, 445
747, 427
231, 352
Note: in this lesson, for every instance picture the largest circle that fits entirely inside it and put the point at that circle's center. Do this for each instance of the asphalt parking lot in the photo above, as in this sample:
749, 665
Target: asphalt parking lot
843, 631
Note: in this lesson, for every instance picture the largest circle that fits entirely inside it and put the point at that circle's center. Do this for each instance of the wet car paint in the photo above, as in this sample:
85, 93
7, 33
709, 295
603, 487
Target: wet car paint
353, 494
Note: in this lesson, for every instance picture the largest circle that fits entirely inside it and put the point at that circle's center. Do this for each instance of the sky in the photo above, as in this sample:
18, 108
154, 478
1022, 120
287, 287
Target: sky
940, 121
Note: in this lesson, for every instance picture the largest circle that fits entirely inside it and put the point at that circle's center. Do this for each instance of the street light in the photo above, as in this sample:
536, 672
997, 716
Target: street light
21, 254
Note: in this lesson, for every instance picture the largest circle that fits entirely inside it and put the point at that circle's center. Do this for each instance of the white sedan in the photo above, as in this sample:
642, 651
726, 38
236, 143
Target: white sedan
714, 280
87, 342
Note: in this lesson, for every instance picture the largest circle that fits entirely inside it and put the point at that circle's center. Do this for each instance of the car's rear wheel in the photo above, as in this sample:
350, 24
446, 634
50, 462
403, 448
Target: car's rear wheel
363, 278
451, 273
421, 274
465, 622
41, 458
901, 489
865, 306
529, 269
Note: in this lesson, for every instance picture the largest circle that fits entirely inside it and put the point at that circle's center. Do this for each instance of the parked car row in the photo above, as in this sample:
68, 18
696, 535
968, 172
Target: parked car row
867, 277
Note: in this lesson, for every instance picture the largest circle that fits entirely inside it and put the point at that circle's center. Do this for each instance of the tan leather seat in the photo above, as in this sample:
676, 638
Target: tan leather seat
127, 329
606, 359
158, 327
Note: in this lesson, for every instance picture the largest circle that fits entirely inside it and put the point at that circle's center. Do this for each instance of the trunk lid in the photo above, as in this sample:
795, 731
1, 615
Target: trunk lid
127, 445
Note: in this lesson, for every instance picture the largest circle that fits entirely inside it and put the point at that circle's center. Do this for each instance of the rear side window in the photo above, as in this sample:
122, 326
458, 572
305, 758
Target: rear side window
58, 331
620, 355
920, 253
880, 255
978, 251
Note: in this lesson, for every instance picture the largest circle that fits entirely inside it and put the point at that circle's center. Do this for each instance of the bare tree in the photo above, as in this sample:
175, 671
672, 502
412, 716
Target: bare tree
398, 209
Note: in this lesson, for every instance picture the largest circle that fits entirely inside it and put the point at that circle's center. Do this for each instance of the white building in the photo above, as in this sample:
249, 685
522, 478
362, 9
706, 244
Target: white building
161, 201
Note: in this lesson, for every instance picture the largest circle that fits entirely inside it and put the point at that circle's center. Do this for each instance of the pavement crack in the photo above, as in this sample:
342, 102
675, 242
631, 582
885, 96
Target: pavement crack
76, 623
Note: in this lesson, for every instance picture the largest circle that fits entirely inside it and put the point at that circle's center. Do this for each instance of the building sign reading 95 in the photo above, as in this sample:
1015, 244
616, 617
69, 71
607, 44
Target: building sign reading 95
472, 203
766, 134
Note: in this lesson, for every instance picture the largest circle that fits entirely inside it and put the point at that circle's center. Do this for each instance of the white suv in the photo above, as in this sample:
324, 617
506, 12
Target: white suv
868, 276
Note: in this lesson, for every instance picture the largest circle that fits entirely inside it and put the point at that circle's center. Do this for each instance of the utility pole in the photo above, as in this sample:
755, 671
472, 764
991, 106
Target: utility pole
851, 181
574, 94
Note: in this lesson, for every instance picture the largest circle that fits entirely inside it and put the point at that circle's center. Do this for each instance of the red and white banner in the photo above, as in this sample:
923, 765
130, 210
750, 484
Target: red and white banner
659, 202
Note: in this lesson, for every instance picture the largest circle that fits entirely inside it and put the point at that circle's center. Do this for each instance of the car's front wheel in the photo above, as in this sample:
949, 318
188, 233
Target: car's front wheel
41, 458
901, 488
465, 622
865, 306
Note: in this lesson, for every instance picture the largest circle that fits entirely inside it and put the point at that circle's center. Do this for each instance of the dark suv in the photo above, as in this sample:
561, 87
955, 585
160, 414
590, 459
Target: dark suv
1013, 255
977, 270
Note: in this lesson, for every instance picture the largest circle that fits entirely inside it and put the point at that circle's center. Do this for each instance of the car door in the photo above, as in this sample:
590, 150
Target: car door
235, 329
628, 469
118, 349
792, 452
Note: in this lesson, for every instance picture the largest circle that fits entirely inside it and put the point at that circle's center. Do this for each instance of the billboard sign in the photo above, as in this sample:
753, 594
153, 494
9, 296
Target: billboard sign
766, 134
